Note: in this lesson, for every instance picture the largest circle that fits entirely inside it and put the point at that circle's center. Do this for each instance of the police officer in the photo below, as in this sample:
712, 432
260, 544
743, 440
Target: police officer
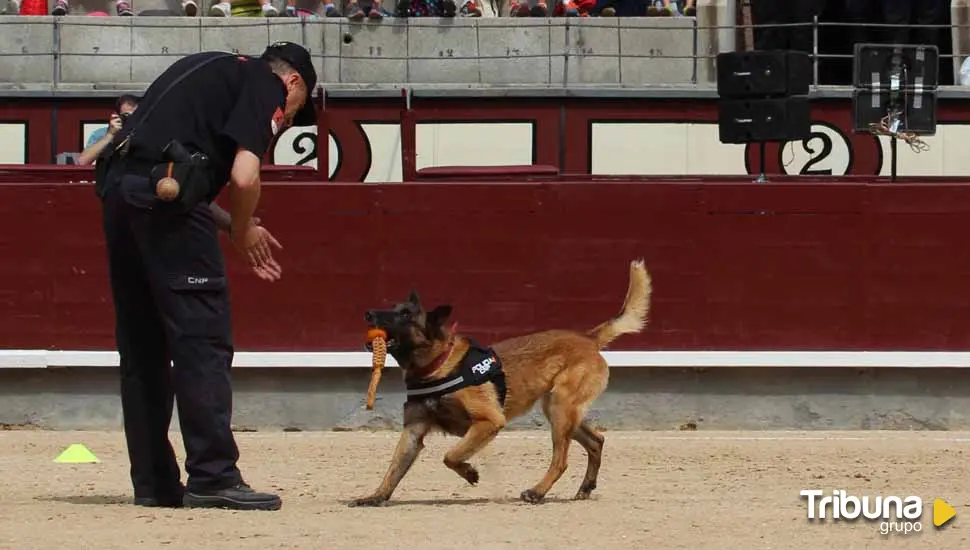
167, 274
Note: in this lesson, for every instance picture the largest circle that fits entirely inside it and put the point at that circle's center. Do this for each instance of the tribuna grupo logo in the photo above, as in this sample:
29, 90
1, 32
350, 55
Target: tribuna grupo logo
900, 515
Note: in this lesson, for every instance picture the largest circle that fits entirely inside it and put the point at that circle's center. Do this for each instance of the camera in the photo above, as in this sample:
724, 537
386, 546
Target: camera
123, 117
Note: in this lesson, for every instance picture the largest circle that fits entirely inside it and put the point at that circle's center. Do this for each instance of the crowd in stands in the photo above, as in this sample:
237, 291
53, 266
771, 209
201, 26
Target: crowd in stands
843, 23
378, 9
795, 17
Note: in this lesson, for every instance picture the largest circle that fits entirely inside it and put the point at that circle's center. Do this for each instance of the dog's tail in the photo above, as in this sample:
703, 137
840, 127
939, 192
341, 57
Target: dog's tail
633, 315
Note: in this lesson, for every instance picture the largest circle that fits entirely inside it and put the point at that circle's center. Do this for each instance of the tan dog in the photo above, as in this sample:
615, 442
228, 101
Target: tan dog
564, 368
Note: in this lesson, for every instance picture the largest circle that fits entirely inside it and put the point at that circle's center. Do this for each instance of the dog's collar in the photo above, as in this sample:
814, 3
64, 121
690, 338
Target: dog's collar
419, 374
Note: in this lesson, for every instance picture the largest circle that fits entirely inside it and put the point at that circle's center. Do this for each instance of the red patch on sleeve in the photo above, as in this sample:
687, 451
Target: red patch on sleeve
277, 121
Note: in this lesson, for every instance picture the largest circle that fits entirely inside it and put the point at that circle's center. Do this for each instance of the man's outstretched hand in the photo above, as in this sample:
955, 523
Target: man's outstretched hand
256, 244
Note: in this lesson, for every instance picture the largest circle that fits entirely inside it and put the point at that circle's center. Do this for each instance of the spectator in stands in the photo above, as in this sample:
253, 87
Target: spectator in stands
13, 7
561, 8
528, 8
900, 13
124, 106
573, 8
329, 10
246, 8
122, 7
437, 8
620, 8
672, 7
775, 12
371, 9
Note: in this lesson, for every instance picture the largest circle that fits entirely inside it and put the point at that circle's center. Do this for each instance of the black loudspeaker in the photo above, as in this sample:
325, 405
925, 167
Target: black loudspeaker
896, 66
916, 111
763, 73
761, 120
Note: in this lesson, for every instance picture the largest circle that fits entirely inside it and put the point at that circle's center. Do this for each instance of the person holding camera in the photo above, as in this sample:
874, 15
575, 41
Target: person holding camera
124, 106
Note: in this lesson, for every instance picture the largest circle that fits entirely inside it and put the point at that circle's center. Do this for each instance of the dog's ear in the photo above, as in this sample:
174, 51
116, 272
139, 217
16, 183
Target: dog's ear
436, 318
413, 297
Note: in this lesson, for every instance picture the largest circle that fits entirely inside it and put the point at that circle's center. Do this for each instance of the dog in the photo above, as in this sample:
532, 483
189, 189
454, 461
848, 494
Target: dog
563, 368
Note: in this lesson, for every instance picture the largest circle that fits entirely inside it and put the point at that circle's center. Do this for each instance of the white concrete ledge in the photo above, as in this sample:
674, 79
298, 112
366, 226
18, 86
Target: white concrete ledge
40, 359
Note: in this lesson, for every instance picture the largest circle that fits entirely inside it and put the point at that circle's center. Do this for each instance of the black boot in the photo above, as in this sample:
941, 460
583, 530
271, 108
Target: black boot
165, 499
237, 497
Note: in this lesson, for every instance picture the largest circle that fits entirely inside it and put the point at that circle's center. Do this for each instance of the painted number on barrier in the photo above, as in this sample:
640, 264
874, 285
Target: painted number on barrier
446, 53
23, 50
235, 50
817, 154
655, 52
584, 50
512, 52
309, 152
96, 49
375, 51
164, 49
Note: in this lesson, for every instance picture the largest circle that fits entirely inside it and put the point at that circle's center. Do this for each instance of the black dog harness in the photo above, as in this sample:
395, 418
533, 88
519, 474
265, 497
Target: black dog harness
479, 365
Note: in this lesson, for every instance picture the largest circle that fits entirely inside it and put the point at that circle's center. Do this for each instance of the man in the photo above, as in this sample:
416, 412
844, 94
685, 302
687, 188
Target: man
901, 14
167, 273
777, 13
124, 106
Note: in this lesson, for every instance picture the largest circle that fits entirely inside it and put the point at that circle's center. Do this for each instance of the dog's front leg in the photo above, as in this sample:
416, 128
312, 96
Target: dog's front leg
407, 450
479, 434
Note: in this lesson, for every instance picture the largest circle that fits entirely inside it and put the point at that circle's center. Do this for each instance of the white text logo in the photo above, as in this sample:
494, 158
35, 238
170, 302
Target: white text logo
484, 366
895, 514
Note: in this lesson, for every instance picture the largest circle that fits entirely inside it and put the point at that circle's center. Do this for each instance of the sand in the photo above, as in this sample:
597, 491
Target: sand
689, 490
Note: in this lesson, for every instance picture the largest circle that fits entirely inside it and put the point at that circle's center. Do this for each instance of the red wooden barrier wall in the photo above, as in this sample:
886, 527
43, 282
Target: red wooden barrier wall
801, 266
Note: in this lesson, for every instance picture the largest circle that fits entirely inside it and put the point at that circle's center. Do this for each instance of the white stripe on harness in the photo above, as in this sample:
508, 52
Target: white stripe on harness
439, 387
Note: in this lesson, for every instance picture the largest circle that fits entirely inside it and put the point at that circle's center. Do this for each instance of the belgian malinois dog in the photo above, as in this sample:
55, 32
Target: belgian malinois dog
563, 368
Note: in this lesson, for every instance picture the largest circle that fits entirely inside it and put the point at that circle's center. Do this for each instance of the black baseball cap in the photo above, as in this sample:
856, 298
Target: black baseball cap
299, 58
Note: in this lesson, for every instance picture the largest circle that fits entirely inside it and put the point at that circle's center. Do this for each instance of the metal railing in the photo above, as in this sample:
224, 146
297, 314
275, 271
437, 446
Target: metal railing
356, 42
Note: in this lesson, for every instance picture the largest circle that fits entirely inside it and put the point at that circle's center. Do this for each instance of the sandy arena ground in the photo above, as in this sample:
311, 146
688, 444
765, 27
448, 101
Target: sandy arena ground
699, 490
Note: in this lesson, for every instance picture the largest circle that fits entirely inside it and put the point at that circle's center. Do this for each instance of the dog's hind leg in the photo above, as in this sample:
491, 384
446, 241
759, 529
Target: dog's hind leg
592, 441
565, 406
564, 416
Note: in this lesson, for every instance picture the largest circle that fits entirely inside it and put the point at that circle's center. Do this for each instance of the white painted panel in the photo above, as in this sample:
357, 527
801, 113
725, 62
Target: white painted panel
955, 148
474, 144
662, 149
912, 163
385, 153
948, 154
13, 143
707, 155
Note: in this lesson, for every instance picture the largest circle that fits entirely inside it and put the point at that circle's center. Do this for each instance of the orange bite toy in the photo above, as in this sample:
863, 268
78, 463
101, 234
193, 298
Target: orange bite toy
378, 340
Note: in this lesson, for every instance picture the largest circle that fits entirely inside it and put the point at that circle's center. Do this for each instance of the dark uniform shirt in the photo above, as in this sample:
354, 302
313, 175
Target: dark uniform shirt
233, 102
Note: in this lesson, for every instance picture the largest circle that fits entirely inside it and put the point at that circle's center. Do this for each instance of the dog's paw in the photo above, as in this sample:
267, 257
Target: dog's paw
530, 496
466, 471
585, 490
373, 500
470, 474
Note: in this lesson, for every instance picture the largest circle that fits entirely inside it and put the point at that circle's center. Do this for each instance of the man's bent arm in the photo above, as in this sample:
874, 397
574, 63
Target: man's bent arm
244, 187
